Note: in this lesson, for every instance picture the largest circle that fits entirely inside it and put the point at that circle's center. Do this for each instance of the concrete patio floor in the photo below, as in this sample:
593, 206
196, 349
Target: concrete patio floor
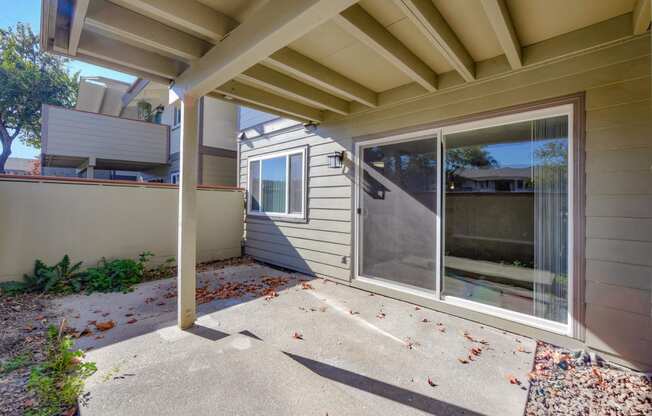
360, 354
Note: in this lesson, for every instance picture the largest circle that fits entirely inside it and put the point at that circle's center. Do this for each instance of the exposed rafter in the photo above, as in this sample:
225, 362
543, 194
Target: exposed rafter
281, 84
76, 25
248, 94
188, 15
317, 74
131, 27
501, 22
365, 28
641, 16
432, 24
267, 30
110, 50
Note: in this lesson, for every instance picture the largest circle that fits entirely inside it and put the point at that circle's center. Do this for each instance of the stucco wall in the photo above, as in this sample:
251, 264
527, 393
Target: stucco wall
618, 151
45, 220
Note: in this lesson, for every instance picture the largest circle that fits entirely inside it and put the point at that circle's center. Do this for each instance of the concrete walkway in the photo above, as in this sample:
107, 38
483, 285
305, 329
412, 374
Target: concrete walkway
359, 354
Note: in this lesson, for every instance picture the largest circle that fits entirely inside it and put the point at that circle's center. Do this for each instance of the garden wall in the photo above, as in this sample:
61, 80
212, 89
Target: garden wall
45, 218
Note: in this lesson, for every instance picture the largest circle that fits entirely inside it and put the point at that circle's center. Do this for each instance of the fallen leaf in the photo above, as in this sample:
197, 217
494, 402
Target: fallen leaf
297, 335
431, 383
463, 361
132, 321
104, 326
416, 308
476, 351
425, 321
513, 380
354, 312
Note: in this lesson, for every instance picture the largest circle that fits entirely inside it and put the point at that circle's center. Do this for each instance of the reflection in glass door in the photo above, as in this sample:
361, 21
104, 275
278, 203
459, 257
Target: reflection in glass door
397, 214
507, 216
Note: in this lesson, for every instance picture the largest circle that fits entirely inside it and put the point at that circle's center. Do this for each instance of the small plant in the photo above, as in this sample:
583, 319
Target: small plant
63, 277
117, 275
59, 380
14, 363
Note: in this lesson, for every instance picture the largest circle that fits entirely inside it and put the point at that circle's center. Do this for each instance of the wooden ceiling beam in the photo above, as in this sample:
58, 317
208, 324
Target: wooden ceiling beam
264, 99
366, 29
501, 22
308, 70
187, 15
284, 85
265, 31
432, 24
641, 16
110, 50
76, 25
132, 27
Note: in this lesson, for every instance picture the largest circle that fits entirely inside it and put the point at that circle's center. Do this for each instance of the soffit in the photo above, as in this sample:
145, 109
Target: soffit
536, 21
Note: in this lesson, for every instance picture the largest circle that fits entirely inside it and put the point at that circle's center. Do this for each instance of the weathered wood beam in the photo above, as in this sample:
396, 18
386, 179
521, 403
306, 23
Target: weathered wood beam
281, 84
267, 30
432, 24
132, 27
365, 28
248, 94
641, 16
501, 22
188, 15
110, 50
76, 25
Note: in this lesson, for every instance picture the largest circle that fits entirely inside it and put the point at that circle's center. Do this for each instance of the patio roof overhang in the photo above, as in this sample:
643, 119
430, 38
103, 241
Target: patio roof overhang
315, 60
321, 60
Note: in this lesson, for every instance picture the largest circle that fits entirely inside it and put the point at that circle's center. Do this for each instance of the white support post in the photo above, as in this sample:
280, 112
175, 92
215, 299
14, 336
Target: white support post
187, 234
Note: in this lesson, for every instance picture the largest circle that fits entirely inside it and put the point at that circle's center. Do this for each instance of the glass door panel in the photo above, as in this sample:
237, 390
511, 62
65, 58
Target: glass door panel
506, 217
398, 212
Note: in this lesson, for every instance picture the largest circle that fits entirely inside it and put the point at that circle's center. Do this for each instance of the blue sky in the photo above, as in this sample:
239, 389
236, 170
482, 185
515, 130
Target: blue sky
29, 11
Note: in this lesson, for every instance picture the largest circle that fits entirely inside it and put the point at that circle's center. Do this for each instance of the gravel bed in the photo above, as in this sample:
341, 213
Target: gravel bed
579, 383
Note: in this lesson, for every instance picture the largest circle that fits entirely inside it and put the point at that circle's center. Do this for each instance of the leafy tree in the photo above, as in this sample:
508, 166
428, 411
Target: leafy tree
29, 78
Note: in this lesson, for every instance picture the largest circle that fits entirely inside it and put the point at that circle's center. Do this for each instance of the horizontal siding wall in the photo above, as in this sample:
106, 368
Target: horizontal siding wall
322, 245
616, 81
81, 134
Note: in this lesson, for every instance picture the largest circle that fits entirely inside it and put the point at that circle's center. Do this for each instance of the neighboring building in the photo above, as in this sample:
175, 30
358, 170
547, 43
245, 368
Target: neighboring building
20, 166
126, 131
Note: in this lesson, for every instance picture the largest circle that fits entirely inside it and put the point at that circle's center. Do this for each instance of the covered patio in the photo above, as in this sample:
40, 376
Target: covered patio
316, 348
371, 69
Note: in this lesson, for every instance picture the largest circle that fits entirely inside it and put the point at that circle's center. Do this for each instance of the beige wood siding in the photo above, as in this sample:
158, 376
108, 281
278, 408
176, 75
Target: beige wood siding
321, 245
616, 81
217, 170
80, 134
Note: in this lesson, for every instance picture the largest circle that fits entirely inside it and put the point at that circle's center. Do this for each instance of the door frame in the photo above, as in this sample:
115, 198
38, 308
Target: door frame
573, 107
358, 207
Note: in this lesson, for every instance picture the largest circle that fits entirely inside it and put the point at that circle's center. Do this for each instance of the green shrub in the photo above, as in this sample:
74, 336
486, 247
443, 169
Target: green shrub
63, 277
59, 380
115, 275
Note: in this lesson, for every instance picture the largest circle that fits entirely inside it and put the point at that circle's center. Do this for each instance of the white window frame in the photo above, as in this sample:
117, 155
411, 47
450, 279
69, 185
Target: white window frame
173, 176
304, 183
176, 121
438, 296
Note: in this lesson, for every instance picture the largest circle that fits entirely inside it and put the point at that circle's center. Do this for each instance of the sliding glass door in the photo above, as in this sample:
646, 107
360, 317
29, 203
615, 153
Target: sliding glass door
476, 214
507, 217
398, 212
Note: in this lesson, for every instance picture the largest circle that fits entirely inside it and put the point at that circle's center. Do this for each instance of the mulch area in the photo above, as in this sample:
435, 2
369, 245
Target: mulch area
23, 324
578, 383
